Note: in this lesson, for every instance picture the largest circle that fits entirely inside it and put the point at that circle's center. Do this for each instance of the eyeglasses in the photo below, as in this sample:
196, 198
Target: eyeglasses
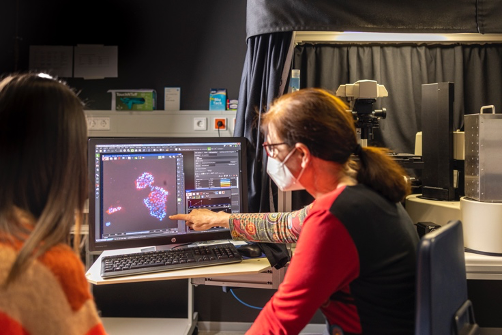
271, 149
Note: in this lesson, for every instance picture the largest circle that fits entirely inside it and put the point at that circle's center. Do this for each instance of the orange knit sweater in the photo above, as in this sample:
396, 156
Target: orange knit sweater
51, 297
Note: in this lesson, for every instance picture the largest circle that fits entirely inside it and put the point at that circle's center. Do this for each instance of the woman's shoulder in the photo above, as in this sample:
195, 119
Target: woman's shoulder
350, 197
69, 271
62, 257
53, 289
326, 201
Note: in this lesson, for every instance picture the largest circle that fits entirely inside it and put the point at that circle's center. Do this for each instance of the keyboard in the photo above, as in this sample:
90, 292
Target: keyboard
168, 260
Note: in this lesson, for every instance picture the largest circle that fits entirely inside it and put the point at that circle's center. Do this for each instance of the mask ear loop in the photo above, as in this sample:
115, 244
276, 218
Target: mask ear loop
300, 175
286, 159
288, 156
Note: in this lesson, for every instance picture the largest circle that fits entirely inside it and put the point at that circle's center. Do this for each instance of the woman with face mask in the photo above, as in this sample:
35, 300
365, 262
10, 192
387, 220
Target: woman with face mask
355, 255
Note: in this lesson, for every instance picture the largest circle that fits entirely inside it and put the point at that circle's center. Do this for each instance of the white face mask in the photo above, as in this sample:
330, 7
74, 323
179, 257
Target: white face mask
281, 175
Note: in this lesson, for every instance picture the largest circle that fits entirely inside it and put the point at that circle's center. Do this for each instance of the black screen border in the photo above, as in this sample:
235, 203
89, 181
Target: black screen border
164, 240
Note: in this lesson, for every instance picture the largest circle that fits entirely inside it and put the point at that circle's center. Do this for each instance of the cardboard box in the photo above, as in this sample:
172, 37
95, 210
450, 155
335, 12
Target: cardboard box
172, 98
218, 99
233, 104
134, 100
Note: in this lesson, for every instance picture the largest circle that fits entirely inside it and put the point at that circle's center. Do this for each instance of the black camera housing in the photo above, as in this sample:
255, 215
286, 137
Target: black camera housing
426, 227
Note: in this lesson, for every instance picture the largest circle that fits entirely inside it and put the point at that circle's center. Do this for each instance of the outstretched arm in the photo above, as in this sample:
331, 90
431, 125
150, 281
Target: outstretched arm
256, 227
268, 227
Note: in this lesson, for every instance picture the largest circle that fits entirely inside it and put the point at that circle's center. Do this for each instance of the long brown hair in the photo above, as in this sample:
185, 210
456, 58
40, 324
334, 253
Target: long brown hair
318, 119
43, 164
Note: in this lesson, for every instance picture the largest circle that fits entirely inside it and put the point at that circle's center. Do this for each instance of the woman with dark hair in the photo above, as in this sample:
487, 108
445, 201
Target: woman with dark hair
43, 289
355, 257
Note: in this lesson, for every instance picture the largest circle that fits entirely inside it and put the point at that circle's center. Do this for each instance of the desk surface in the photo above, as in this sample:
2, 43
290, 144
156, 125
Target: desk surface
477, 267
247, 266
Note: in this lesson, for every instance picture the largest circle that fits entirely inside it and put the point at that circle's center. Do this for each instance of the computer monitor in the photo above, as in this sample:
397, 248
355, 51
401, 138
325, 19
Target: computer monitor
138, 182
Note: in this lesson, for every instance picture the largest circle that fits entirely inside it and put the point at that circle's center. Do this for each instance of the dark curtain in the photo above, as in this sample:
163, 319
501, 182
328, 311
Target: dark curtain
474, 69
262, 82
426, 16
260, 85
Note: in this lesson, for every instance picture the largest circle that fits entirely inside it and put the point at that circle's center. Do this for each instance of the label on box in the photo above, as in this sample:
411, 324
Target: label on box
218, 99
172, 98
133, 100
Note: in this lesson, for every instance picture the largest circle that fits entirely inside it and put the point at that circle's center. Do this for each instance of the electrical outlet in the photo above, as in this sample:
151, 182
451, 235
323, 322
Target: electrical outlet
199, 123
222, 125
98, 123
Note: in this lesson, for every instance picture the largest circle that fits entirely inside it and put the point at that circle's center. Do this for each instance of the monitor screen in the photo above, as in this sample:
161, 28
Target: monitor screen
138, 182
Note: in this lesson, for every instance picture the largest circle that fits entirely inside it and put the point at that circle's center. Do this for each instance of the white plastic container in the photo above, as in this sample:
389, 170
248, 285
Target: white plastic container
482, 225
294, 83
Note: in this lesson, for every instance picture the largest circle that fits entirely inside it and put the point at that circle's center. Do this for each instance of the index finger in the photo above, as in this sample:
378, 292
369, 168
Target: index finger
180, 217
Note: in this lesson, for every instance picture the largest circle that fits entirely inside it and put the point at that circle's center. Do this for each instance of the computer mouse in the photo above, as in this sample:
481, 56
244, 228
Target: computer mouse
249, 250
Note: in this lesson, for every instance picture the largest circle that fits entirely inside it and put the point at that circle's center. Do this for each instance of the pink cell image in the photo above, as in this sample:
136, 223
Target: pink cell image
112, 210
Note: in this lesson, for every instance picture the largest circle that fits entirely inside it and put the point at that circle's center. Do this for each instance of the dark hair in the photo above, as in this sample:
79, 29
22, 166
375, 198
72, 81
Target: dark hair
318, 119
43, 163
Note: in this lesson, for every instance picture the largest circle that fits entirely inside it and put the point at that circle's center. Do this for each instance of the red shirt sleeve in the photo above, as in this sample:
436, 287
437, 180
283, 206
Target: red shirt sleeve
325, 261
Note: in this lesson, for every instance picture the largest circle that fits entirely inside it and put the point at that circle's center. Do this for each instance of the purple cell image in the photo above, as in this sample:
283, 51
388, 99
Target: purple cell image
156, 202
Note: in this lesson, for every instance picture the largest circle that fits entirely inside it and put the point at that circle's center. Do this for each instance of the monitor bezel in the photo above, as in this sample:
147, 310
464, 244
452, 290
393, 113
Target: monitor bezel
164, 240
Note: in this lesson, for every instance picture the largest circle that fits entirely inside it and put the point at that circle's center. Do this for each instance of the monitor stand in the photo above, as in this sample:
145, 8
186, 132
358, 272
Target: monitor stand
149, 326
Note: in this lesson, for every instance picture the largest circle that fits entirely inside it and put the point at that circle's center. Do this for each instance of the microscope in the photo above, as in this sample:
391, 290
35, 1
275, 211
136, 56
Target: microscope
361, 96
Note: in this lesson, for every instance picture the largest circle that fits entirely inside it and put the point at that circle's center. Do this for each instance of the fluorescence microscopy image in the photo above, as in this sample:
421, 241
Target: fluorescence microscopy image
139, 190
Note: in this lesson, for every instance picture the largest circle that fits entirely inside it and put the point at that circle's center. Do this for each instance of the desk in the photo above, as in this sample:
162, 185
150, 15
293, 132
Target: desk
124, 326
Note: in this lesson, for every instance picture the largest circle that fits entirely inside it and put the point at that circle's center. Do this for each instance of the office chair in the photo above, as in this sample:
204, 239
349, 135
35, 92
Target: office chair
442, 307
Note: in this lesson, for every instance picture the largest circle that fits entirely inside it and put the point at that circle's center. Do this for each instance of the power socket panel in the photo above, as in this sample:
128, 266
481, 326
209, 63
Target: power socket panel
222, 126
98, 123
199, 123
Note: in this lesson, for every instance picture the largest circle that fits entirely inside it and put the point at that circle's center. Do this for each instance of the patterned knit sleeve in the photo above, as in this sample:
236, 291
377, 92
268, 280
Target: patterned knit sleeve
268, 227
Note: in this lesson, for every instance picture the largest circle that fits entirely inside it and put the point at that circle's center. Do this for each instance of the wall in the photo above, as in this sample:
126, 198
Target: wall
193, 44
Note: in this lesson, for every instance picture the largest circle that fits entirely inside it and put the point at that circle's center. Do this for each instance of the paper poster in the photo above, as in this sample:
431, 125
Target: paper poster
95, 61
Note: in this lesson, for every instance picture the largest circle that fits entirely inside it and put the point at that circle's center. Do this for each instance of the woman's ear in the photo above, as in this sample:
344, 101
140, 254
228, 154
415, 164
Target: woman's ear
304, 154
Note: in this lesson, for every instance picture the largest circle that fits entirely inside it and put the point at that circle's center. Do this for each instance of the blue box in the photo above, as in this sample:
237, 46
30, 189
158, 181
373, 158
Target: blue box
218, 99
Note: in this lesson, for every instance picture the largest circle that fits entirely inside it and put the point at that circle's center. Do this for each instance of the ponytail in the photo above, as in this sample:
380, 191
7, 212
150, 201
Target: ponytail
379, 172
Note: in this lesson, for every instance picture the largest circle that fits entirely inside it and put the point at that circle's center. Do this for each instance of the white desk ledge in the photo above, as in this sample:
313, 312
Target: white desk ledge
483, 267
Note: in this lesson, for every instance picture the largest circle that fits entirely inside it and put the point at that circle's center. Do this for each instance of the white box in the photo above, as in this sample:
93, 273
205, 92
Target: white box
172, 98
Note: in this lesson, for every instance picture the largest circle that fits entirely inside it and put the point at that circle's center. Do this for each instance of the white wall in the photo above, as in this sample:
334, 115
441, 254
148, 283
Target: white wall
106, 123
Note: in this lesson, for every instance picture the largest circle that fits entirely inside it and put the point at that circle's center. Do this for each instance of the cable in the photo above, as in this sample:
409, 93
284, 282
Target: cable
242, 302
219, 124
